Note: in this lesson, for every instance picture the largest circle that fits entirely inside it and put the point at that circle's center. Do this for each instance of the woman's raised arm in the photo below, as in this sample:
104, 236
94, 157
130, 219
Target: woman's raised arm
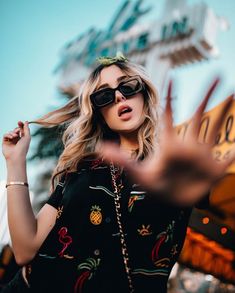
27, 231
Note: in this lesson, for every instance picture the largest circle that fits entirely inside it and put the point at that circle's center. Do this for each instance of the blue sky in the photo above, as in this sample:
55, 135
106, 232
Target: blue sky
33, 32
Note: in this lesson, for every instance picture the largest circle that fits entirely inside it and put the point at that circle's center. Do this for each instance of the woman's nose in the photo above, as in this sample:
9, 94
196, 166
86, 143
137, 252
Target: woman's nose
119, 96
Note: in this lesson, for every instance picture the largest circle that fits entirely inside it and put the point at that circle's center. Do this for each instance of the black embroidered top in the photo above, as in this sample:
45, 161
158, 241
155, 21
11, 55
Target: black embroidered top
83, 252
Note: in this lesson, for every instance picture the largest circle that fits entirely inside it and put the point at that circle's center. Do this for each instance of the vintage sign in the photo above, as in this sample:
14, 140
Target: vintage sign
183, 34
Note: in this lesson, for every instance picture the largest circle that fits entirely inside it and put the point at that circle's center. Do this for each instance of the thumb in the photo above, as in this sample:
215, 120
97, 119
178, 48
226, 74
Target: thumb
25, 131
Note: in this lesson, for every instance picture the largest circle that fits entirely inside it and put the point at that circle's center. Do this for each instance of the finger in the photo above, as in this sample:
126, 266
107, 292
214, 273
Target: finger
196, 119
7, 137
168, 117
15, 132
24, 127
16, 128
21, 124
11, 134
228, 162
11, 138
212, 134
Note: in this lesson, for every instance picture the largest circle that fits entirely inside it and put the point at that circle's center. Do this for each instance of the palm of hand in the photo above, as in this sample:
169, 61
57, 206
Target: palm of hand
182, 171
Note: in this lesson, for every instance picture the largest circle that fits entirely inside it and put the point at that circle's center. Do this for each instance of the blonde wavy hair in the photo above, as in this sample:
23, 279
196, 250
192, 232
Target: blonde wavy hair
85, 127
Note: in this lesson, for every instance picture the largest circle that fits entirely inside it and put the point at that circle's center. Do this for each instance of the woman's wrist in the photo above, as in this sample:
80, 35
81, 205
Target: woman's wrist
15, 162
16, 171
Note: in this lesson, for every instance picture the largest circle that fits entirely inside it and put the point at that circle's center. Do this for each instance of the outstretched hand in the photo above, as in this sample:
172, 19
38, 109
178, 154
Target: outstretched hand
180, 170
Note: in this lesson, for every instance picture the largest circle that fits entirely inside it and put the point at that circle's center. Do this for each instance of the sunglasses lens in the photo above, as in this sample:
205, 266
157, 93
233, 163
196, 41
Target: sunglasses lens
103, 98
131, 87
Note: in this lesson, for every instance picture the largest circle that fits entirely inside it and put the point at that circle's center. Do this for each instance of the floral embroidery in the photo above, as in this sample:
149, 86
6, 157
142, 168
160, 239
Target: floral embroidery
59, 212
134, 197
95, 215
144, 231
66, 240
90, 266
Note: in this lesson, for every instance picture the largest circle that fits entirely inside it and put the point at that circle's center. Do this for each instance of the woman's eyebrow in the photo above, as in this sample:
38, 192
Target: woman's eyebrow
105, 85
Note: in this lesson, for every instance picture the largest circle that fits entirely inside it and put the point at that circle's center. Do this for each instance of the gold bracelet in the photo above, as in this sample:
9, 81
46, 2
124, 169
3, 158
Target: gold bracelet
17, 183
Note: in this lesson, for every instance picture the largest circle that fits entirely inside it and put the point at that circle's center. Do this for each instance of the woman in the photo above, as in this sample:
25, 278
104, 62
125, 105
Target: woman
116, 221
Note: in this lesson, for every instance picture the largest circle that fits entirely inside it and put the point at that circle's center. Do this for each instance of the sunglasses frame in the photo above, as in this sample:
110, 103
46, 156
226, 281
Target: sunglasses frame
113, 90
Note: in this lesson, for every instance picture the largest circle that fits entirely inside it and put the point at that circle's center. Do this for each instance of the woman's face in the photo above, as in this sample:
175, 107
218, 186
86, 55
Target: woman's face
114, 114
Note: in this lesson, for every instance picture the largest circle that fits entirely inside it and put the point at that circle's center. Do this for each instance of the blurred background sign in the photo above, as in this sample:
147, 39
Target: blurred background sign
210, 241
182, 35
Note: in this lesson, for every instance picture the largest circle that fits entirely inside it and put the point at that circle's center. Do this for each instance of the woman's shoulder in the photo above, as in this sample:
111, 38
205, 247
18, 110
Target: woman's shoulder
84, 170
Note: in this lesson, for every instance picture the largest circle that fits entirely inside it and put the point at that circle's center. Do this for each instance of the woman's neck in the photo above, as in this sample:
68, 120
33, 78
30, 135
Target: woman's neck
128, 143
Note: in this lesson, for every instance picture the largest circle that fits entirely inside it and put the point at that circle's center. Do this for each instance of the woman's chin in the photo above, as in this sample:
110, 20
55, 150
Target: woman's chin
128, 130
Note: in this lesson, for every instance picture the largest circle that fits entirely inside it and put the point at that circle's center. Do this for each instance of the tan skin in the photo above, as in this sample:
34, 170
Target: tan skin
164, 171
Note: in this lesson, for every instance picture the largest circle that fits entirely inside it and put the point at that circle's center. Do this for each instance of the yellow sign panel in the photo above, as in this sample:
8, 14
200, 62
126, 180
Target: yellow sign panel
225, 137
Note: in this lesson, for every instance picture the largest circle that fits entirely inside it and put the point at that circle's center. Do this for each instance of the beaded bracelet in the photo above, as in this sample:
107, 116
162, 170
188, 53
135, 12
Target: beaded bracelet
17, 183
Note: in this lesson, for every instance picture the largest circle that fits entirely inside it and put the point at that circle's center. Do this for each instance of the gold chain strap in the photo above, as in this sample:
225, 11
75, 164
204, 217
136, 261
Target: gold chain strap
125, 255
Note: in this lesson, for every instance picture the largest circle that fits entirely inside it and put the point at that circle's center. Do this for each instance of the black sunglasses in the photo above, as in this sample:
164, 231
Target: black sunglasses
127, 88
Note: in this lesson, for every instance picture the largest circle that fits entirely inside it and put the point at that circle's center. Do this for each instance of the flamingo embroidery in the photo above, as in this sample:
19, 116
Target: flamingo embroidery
66, 240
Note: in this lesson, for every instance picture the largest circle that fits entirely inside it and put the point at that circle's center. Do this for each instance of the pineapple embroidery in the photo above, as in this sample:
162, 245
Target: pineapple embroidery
95, 215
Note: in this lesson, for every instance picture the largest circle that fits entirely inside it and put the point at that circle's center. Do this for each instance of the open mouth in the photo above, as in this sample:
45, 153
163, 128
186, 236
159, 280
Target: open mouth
124, 110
